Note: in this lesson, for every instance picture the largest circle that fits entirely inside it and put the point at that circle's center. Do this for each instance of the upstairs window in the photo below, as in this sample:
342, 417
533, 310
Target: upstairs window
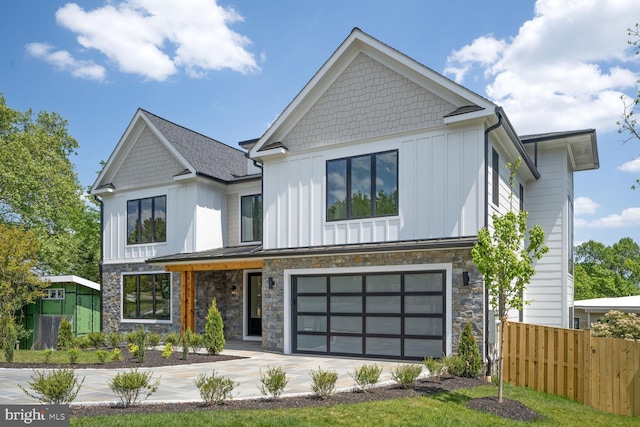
147, 220
362, 186
251, 213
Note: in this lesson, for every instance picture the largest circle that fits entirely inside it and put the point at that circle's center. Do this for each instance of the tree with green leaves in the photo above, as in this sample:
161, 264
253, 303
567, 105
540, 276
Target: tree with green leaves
506, 263
607, 271
40, 191
214, 330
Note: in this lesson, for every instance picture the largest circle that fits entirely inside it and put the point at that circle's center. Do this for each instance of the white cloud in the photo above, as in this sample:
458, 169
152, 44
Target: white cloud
62, 60
158, 38
631, 166
629, 217
584, 205
565, 69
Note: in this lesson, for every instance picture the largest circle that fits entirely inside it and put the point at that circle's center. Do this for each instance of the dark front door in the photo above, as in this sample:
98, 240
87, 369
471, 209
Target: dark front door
254, 304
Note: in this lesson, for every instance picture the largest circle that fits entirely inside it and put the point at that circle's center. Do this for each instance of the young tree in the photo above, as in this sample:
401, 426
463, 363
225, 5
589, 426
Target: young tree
214, 330
506, 263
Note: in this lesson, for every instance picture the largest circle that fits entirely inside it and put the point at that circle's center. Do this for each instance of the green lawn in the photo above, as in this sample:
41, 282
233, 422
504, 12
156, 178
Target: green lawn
445, 409
57, 357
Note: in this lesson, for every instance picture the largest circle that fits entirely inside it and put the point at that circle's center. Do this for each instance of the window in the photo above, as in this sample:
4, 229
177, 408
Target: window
147, 220
362, 186
495, 162
251, 213
147, 296
53, 293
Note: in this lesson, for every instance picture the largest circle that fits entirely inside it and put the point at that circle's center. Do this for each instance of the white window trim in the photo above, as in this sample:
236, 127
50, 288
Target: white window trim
50, 291
146, 321
240, 196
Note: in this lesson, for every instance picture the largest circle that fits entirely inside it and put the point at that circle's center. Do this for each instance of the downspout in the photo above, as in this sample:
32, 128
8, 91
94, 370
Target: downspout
99, 201
486, 225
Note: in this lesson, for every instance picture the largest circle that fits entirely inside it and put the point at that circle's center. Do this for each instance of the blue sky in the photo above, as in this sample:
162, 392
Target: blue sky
228, 68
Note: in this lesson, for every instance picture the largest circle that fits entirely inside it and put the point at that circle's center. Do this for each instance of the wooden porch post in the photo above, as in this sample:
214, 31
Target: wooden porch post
188, 299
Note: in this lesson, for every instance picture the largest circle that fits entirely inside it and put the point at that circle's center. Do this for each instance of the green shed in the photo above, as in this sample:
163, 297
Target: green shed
69, 296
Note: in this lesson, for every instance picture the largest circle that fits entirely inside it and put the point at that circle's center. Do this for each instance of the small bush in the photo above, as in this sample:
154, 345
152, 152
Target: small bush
96, 339
167, 351
454, 365
129, 385
434, 366
186, 342
196, 342
214, 389
8, 339
366, 376
115, 339
469, 352
214, 330
172, 338
141, 341
323, 383
617, 324
74, 354
130, 337
83, 342
273, 382
65, 335
56, 387
47, 355
116, 354
102, 356
154, 339
406, 375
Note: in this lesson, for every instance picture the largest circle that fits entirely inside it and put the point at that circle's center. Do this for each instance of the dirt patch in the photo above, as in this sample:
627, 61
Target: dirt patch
509, 408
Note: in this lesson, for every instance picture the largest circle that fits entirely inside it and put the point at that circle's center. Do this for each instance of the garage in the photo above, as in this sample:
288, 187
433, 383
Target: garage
398, 315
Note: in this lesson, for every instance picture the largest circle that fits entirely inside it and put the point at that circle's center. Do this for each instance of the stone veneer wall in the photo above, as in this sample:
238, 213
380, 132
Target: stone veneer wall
112, 298
218, 285
466, 304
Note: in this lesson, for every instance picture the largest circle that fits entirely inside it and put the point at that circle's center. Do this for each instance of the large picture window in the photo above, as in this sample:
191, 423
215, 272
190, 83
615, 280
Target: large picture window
147, 296
251, 213
147, 220
362, 186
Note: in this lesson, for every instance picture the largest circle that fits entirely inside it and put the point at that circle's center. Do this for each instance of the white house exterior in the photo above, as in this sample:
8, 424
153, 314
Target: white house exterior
375, 182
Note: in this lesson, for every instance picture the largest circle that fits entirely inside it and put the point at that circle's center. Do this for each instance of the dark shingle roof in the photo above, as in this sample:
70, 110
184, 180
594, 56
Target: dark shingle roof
209, 157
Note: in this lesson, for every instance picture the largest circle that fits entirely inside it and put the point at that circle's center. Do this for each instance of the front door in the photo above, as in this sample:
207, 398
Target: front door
254, 304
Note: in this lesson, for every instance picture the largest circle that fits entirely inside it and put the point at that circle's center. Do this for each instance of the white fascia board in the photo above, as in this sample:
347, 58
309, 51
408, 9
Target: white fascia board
71, 279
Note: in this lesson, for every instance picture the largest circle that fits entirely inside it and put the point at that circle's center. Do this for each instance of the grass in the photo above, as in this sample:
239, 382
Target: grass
57, 357
444, 409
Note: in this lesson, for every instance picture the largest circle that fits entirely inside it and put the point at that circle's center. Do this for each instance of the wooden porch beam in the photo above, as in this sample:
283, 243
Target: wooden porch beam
215, 266
188, 297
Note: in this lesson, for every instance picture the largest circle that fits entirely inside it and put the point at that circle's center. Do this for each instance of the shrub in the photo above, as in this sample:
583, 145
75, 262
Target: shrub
366, 376
617, 324
186, 342
214, 389
116, 354
74, 353
214, 330
172, 338
101, 355
56, 387
130, 337
434, 366
272, 383
96, 339
323, 383
406, 375
47, 355
8, 339
129, 385
167, 351
196, 342
65, 335
454, 365
141, 341
469, 352
83, 342
115, 339
154, 339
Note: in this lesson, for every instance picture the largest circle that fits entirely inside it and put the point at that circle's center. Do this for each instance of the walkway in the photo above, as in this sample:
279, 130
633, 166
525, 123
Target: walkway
176, 383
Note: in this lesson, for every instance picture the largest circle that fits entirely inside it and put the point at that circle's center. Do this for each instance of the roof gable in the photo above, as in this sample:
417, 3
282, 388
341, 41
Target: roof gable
376, 52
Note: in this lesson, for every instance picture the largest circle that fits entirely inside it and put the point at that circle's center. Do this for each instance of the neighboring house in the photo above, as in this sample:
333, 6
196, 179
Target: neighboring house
69, 296
356, 238
589, 311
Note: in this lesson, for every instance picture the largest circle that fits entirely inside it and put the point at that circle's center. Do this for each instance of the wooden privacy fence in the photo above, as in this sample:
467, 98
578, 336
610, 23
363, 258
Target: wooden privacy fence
601, 372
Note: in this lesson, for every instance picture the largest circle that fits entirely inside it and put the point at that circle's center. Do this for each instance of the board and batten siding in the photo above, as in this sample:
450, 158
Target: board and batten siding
547, 204
441, 192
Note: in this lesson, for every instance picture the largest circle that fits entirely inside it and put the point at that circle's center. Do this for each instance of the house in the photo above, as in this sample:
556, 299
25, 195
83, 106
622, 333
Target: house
589, 311
68, 296
347, 228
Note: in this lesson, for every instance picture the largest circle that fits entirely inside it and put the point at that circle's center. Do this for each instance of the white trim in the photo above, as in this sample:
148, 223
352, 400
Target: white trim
146, 321
447, 267
245, 307
71, 279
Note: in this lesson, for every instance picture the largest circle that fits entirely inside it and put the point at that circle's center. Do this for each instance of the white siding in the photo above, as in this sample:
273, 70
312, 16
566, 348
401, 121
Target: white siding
440, 192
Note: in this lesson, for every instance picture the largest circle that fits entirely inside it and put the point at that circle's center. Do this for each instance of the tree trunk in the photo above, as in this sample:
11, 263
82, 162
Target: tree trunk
500, 359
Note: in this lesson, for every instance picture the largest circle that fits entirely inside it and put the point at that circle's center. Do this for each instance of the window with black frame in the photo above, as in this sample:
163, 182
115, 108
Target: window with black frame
146, 296
147, 220
362, 186
251, 218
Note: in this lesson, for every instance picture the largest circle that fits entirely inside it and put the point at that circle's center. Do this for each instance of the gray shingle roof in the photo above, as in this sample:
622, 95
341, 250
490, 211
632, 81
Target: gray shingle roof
209, 157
